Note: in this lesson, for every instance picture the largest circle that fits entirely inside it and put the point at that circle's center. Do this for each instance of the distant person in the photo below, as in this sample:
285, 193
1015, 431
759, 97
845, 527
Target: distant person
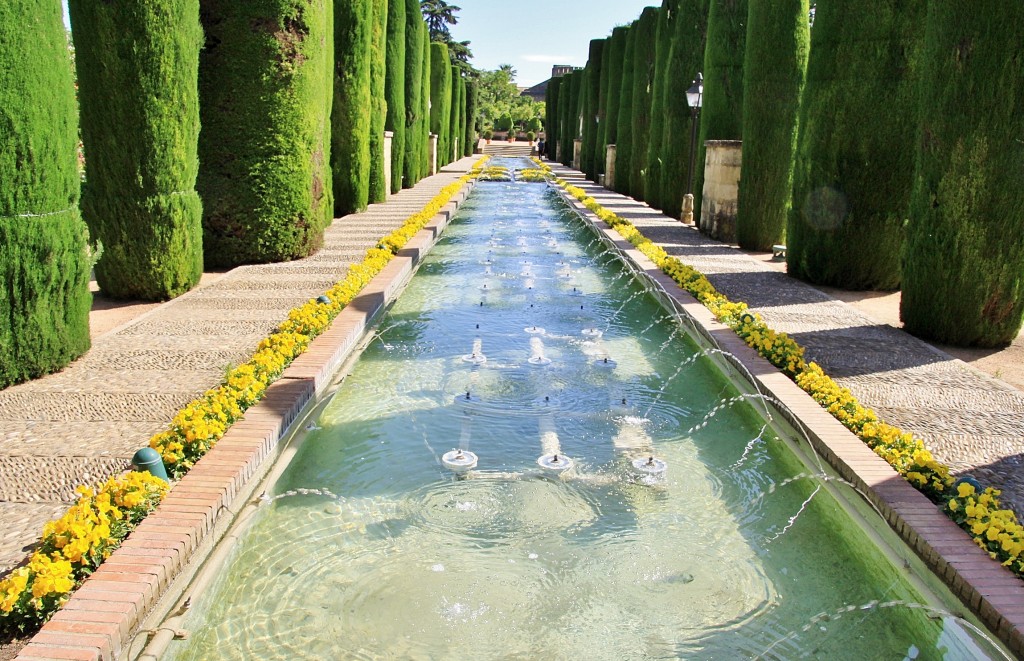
540, 148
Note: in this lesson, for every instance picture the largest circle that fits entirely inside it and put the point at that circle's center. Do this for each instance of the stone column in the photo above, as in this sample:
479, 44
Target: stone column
577, 151
721, 187
455, 149
388, 135
609, 167
433, 154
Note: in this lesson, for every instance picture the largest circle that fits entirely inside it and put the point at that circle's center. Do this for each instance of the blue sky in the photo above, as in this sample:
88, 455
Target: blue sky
533, 35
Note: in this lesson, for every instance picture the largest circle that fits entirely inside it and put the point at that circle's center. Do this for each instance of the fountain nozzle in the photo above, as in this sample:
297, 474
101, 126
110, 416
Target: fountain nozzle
467, 395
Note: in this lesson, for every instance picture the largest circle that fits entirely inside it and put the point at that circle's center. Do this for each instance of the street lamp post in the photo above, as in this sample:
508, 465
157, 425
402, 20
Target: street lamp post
694, 99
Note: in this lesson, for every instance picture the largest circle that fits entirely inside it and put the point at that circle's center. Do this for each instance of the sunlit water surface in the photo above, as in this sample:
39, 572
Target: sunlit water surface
395, 558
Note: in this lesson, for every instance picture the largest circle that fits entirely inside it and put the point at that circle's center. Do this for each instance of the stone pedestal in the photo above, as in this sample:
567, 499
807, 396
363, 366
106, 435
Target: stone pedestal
721, 189
609, 167
433, 154
456, 154
388, 135
577, 151
687, 215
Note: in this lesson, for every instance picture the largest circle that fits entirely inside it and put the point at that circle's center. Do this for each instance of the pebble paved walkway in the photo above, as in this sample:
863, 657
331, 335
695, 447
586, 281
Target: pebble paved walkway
84, 424
969, 420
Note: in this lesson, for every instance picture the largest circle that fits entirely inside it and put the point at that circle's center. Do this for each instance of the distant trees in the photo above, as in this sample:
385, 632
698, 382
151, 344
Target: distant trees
439, 15
350, 121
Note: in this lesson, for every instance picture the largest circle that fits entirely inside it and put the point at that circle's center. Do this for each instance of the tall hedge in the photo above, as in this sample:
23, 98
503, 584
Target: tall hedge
462, 116
616, 55
350, 121
600, 145
855, 157
552, 119
778, 42
963, 269
472, 103
264, 148
394, 89
424, 118
643, 79
378, 109
624, 120
137, 74
591, 103
43, 263
415, 144
663, 41
453, 121
567, 104
685, 60
721, 118
440, 99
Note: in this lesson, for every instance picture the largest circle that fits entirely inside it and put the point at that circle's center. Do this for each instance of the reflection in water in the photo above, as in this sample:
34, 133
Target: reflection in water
667, 538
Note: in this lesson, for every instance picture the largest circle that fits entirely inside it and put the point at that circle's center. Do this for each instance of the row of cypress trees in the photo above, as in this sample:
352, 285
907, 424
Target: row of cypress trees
884, 156
293, 97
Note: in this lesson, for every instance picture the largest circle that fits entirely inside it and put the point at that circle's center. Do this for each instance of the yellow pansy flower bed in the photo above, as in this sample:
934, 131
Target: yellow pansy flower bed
995, 530
74, 545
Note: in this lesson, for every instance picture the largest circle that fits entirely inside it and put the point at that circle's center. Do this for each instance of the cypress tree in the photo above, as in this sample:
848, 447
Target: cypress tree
378, 105
44, 266
137, 72
462, 115
424, 123
440, 98
624, 130
566, 132
591, 103
778, 42
600, 145
721, 118
579, 84
265, 72
472, 100
552, 121
616, 55
643, 78
663, 40
685, 60
414, 147
350, 122
394, 89
963, 268
855, 157
453, 122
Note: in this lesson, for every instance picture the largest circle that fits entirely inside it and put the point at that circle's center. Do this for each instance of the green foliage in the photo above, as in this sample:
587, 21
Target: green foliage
778, 42
439, 15
459, 99
440, 99
350, 123
137, 75
591, 103
503, 123
498, 96
685, 59
551, 119
378, 105
624, 116
963, 268
534, 125
667, 16
44, 265
472, 105
394, 89
573, 112
415, 142
643, 79
721, 118
453, 121
424, 110
855, 157
265, 72
616, 55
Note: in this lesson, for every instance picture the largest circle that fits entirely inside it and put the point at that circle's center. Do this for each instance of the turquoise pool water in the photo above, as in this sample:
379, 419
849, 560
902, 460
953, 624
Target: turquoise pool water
368, 548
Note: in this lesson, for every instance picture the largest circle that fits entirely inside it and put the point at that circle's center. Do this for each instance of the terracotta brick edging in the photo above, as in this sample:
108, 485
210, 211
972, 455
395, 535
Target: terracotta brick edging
103, 617
989, 590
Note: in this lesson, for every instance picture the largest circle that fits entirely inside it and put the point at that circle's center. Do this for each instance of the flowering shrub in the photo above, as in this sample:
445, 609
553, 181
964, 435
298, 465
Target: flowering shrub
74, 545
495, 173
532, 175
994, 529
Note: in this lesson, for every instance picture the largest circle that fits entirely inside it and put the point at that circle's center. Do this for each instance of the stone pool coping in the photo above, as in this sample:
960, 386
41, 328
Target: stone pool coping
989, 590
102, 619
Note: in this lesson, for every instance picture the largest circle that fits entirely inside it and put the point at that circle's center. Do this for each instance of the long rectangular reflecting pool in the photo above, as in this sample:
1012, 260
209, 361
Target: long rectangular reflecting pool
628, 501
